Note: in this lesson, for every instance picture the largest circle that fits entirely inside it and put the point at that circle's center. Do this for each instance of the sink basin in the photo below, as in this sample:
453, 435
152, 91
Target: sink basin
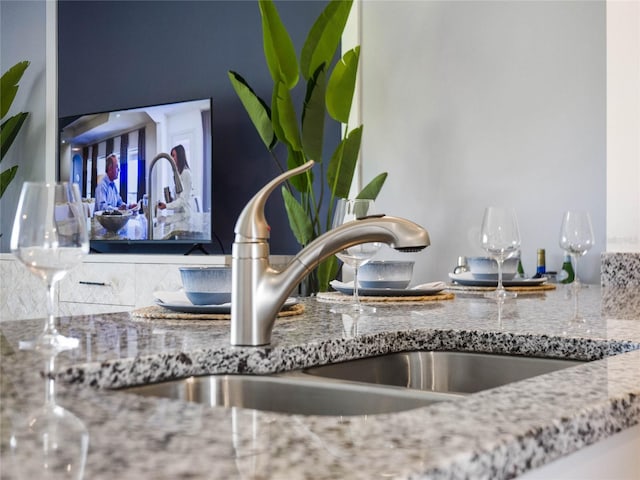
433, 371
291, 393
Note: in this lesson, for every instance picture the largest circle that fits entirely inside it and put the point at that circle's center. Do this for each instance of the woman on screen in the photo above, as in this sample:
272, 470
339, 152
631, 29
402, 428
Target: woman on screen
182, 203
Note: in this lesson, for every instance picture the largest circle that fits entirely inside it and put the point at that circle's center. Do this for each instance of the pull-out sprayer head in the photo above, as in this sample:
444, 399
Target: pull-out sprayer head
411, 249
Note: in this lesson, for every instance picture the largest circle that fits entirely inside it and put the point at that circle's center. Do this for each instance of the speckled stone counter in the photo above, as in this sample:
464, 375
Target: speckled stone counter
498, 433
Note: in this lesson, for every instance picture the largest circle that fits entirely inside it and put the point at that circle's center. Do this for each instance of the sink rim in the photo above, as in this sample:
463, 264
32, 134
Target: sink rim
177, 389
369, 393
569, 363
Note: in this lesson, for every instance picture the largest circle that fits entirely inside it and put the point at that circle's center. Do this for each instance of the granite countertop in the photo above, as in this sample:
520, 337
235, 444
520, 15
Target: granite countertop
498, 433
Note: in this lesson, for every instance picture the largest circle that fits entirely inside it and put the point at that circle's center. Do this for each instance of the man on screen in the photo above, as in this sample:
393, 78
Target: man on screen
107, 196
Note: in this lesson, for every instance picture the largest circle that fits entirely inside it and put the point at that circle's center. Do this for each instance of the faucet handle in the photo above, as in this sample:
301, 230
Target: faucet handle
251, 224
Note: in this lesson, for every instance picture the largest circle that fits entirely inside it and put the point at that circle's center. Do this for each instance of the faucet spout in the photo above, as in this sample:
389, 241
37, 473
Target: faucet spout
258, 290
176, 179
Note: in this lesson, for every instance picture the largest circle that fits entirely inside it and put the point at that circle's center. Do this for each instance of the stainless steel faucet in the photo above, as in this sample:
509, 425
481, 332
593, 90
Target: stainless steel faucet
258, 290
176, 179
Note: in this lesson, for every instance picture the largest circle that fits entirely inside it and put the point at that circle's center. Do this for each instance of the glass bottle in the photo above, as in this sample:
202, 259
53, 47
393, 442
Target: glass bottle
568, 268
541, 267
520, 269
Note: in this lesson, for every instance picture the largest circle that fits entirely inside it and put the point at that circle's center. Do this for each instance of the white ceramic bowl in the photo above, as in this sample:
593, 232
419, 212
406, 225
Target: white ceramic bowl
486, 268
394, 274
207, 285
114, 220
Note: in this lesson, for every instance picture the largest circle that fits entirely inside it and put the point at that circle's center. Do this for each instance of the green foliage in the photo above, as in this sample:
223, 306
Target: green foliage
329, 95
11, 126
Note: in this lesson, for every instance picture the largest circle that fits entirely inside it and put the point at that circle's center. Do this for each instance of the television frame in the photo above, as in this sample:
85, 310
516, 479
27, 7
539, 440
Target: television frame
165, 125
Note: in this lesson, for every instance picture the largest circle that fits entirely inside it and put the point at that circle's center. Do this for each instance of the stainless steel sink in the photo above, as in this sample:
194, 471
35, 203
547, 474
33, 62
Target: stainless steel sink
383, 384
451, 372
291, 393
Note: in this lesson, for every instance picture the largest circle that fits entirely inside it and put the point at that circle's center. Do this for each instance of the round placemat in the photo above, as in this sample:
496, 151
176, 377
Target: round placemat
341, 297
158, 312
529, 289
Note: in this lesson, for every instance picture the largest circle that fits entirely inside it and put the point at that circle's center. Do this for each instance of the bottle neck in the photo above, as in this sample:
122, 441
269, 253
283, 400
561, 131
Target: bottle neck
541, 267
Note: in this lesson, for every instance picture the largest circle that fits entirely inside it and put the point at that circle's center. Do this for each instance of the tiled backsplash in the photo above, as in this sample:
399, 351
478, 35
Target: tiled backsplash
620, 269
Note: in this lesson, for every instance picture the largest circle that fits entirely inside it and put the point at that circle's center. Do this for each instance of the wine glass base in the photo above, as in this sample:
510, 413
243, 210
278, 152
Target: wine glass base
353, 308
50, 344
500, 295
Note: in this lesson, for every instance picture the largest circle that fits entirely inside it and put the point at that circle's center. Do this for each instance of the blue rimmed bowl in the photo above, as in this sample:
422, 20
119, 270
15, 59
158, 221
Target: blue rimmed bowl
394, 274
207, 285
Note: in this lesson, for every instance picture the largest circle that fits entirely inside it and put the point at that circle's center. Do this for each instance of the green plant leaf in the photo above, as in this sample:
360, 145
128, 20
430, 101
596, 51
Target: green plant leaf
324, 37
313, 116
298, 219
343, 164
278, 47
286, 115
6, 177
341, 86
9, 86
327, 271
373, 188
301, 182
258, 110
9, 131
275, 117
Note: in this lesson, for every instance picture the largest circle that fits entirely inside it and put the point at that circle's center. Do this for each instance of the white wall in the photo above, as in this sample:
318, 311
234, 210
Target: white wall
23, 27
474, 103
623, 126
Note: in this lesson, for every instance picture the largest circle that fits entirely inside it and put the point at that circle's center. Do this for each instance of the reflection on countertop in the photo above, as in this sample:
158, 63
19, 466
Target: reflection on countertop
498, 433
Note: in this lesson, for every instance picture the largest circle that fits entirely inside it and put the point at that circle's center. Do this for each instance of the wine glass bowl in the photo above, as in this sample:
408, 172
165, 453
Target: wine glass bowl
500, 238
357, 255
49, 237
576, 237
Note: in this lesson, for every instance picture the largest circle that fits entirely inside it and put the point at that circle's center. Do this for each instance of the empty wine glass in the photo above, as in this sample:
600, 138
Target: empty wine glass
500, 237
50, 442
50, 238
576, 237
357, 255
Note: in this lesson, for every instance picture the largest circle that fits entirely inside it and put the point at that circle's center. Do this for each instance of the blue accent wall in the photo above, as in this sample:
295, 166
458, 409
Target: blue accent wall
119, 54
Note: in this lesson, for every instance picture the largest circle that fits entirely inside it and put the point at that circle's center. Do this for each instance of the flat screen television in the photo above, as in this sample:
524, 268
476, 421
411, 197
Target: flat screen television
147, 182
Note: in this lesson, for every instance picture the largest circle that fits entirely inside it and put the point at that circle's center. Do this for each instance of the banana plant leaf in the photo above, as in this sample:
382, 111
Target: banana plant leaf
9, 86
313, 115
286, 117
324, 37
298, 219
278, 47
6, 177
258, 110
9, 131
342, 85
373, 188
302, 182
343, 164
327, 271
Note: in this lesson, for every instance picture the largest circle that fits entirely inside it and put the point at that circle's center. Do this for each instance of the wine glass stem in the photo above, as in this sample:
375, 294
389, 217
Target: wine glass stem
50, 326
500, 287
356, 298
49, 374
576, 281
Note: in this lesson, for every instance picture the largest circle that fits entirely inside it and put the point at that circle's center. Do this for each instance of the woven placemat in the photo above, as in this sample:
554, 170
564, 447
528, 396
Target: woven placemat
525, 289
158, 312
341, 297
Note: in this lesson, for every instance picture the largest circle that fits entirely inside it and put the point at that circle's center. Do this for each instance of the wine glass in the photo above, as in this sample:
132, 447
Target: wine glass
50, 238
51, 442
500, 237
576, 238
357, 255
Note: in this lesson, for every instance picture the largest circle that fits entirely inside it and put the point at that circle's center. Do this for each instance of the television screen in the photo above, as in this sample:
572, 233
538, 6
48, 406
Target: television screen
145, 173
